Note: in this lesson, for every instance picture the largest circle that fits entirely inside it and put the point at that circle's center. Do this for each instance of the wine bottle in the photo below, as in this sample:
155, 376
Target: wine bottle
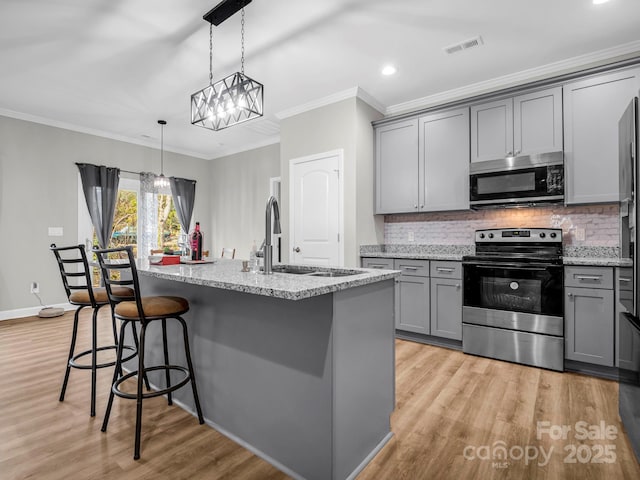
196, 243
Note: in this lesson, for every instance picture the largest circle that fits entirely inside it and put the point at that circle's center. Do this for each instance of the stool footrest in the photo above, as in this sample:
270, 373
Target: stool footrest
83, 366
132, 396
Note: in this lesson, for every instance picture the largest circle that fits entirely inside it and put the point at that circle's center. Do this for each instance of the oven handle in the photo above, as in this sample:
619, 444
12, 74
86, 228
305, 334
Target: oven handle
512, 266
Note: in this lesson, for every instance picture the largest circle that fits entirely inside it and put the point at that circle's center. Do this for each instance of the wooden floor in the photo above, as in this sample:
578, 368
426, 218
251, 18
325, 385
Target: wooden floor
452, 410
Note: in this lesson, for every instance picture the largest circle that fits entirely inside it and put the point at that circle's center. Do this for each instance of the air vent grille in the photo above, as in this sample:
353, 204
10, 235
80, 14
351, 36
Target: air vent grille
464, 45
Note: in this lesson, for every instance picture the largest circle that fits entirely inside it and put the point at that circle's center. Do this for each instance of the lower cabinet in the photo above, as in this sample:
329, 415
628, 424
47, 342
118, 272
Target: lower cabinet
412, 296
589, 312
446, 300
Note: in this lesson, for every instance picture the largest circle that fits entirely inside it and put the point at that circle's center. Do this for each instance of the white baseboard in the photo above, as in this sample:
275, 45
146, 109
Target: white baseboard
30, 311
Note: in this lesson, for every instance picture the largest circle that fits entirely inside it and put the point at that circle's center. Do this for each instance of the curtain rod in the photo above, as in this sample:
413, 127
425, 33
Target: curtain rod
129, 171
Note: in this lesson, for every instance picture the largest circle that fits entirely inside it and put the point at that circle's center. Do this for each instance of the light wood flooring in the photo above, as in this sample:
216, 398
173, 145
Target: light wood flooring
448, 403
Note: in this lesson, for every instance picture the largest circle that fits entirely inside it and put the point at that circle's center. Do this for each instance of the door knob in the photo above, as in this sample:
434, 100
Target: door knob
297, 249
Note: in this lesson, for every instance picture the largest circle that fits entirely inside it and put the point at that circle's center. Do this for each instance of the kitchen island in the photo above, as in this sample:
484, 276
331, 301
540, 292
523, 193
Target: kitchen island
299, 369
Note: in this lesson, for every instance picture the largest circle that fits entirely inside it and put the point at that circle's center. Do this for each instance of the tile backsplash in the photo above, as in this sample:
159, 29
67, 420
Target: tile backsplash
584, 225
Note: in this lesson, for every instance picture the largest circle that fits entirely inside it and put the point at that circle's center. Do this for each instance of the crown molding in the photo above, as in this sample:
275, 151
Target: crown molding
92, 131
548, 70
356, 92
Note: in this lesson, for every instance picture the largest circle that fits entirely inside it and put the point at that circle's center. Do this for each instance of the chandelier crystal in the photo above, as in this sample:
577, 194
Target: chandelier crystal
230, 101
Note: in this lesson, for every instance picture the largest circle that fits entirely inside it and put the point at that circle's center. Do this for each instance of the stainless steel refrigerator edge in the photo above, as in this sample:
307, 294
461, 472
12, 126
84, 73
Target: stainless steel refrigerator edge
628, 331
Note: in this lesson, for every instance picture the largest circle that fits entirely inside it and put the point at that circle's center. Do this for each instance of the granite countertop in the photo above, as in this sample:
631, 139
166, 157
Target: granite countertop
573, 255
227, 274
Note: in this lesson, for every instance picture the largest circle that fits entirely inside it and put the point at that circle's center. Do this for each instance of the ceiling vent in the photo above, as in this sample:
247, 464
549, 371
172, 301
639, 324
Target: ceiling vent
464, 45
264, 127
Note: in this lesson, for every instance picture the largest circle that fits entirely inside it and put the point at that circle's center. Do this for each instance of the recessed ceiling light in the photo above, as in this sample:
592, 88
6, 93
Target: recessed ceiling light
389, 70
598, 2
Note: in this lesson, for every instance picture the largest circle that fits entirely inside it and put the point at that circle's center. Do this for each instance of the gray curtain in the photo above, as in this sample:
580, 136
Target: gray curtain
100, 186
184, 195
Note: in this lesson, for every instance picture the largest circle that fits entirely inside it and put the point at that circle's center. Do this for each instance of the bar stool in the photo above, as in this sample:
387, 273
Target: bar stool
73, 264
143, 310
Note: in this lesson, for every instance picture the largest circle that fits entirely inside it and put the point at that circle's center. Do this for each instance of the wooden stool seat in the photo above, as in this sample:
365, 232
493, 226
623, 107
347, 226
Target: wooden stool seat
153, 307
82, 297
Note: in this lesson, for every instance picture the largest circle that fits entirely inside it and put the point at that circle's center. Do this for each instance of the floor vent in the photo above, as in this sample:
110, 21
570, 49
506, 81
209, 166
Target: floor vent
464, 45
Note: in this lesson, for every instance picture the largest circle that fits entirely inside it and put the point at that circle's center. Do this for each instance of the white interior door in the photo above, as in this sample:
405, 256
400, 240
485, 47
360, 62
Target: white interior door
316, 225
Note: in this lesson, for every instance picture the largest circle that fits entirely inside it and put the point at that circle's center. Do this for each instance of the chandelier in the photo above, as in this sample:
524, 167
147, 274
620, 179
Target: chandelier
161, 181
234, 99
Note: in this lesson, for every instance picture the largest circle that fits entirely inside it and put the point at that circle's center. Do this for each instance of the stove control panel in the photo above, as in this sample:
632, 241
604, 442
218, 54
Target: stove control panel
519, 235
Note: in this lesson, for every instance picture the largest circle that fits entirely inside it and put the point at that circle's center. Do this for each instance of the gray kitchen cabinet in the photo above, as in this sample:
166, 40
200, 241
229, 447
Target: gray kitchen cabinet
592, 109
373, 262
446, 300
491, 130
444, 161
397, 167
522, 125
537, 122
589, 312
412, 296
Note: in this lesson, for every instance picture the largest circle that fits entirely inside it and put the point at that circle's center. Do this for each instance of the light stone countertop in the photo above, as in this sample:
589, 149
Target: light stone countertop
227, 275
587, 256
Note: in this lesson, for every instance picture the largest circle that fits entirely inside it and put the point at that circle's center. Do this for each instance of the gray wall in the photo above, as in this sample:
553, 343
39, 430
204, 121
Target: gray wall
343, 125
239, 193
39, 189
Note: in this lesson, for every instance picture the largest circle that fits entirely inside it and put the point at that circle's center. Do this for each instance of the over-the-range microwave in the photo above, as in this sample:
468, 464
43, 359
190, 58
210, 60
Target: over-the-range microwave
516, 182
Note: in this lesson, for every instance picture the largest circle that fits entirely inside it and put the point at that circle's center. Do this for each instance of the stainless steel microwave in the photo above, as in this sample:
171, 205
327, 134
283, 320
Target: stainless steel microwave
519, 181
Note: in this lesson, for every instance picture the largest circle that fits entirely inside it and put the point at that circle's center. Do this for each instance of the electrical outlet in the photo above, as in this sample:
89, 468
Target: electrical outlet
580, 234
35, 287
411, 237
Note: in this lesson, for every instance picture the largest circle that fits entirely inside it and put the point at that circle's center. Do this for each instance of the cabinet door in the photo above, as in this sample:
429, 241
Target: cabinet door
537, 122
491, 130
444, 154
589, 325
412, 304
592, 109
446, 308
397, 167
373, 262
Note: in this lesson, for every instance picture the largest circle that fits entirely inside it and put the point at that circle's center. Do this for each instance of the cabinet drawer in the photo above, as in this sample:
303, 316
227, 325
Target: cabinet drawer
591, 277
442, 269
370, 262
414, 268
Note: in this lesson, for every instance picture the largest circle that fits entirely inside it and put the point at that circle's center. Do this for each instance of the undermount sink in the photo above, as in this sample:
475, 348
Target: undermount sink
312, 272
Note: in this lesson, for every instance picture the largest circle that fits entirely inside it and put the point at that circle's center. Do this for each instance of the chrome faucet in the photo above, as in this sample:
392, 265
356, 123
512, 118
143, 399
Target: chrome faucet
272, 203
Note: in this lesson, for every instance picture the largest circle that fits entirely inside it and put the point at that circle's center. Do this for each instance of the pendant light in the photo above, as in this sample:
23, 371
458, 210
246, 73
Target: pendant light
234, 99
161, 181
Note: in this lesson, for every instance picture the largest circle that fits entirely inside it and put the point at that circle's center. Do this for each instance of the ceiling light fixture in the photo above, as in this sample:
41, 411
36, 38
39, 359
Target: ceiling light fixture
389, 70
234, 99
161, 181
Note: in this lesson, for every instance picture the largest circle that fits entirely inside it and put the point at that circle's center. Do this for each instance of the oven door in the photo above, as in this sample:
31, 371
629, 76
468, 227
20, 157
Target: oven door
518, 296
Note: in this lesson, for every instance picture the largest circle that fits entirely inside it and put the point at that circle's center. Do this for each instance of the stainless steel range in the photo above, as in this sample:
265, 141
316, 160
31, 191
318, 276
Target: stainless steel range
512, 297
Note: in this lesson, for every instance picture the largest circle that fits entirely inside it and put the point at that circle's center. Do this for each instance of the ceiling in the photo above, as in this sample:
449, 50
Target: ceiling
114, 67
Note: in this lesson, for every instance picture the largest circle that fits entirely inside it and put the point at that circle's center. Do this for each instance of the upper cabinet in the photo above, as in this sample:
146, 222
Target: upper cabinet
592, 109
523, 125
397, 167
444, 160
422, 165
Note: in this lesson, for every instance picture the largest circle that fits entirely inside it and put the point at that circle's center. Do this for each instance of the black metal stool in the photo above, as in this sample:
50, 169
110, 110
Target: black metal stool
73, 263
143, 310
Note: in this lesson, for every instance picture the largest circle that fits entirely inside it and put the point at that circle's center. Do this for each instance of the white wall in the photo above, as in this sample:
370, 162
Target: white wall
39, 189
239, 193
342, 125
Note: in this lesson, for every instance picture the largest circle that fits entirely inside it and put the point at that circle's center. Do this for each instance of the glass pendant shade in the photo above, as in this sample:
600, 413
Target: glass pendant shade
161, 182
232, 100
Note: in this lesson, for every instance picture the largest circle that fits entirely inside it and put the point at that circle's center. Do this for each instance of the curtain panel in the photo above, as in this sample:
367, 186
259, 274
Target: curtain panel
100, 187
184, 195
147, 215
